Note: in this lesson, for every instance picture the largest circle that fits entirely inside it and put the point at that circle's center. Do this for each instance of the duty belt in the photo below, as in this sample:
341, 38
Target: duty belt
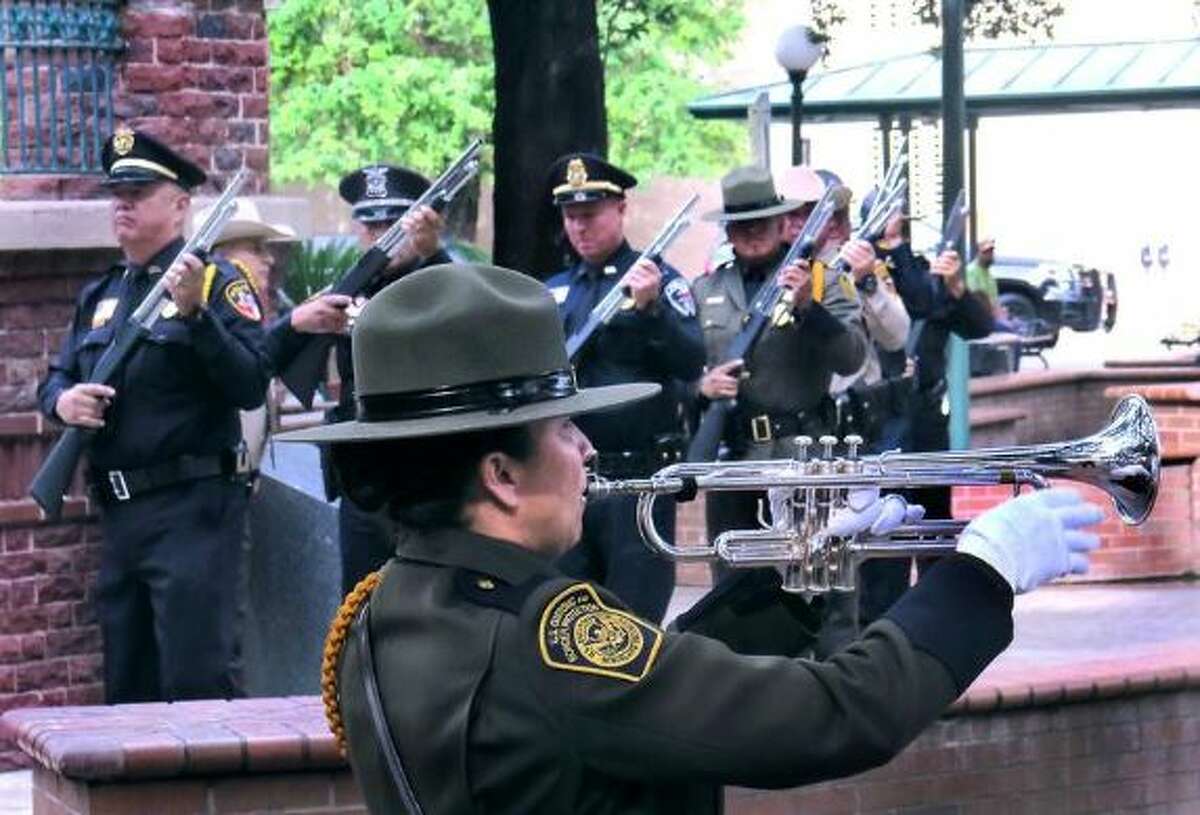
762, 428
121, 485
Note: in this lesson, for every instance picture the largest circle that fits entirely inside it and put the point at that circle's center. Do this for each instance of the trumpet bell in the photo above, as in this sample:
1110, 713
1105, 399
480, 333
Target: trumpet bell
1127, 460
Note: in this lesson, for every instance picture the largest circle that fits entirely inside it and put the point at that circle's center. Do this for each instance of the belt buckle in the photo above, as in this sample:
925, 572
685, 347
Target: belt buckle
116, 480
760, 428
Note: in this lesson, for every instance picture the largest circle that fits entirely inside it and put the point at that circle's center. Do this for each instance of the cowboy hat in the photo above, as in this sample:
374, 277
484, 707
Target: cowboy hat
748, 193
456, 348
246, 223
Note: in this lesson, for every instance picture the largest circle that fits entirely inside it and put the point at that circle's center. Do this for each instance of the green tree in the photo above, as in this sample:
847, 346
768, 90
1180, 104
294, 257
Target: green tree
412, 81
985, 18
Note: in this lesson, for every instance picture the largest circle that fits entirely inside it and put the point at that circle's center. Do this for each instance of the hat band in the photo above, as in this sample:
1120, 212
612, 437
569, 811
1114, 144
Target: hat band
733, 209
497, 396
143, 164
588, 186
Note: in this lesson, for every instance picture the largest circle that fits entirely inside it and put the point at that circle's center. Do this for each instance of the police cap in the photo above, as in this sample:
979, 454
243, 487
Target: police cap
579, 177
381, 192
133, 157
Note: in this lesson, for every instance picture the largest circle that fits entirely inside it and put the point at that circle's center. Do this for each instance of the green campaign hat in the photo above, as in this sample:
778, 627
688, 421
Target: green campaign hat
748, 193
456, 348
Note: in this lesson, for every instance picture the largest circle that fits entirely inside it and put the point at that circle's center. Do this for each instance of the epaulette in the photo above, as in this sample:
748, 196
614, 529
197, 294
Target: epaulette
487, 590
579, 632
335, 642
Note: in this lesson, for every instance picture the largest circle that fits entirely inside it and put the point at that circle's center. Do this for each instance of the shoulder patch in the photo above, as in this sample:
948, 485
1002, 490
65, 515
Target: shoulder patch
680, 297
578, 632
559, 293
239, 295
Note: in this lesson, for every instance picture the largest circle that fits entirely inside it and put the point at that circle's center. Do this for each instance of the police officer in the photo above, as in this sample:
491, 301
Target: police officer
476, 677
378, 195
163, 460
654, 338
937, 299
782, 390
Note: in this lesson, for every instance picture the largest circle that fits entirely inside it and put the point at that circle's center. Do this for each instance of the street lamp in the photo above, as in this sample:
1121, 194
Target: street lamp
798, 50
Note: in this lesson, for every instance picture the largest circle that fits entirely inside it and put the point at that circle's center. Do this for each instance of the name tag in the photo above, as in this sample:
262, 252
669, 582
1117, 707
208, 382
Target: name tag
714, 300
559, 293
104, 311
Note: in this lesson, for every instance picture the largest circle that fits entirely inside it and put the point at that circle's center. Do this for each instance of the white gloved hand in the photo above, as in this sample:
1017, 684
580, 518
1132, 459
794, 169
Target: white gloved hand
866, 510
1035, 538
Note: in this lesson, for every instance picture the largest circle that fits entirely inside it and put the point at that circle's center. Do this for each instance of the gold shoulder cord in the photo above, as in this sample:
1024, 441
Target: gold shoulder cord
335, 641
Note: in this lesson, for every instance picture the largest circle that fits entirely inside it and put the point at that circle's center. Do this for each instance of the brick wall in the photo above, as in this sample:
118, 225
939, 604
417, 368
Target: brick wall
1130, 755
49, 640
330, 793
193, 73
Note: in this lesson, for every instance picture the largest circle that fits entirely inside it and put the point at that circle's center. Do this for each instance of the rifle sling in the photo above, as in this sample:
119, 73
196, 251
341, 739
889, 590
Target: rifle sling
383, 734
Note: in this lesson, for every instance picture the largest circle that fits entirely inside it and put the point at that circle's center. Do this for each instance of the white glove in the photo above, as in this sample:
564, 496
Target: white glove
1035, 538
865, 509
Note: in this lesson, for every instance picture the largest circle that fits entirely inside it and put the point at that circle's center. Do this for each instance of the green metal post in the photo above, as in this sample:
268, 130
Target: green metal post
954, 120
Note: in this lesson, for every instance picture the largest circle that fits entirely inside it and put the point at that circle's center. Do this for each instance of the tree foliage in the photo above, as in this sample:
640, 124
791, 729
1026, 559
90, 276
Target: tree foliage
411, 81
988, 19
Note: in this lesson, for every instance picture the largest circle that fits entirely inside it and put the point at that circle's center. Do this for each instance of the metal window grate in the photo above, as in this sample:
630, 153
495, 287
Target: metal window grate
56, 97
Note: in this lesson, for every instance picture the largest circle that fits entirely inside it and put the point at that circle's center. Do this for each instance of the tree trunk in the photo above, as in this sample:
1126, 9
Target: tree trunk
549, 101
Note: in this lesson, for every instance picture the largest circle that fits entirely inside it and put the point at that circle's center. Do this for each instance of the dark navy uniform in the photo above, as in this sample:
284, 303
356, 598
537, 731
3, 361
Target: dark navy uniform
661, 344
164, 469
935, 316
379, 193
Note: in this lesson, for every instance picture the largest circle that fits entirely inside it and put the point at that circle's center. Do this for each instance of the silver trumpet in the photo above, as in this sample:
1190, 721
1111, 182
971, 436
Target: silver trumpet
805, 492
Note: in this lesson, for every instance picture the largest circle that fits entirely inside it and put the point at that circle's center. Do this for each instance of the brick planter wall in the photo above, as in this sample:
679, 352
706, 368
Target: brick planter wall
49, 639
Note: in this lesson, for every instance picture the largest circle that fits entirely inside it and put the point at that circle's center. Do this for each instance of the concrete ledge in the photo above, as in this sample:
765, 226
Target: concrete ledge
166, 740
85, 224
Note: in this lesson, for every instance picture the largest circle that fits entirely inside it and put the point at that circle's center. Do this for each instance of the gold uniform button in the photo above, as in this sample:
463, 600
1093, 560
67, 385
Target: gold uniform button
485, 583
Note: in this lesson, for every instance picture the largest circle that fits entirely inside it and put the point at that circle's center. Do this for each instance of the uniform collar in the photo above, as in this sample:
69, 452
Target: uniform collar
585, 269
461, 548
161, 260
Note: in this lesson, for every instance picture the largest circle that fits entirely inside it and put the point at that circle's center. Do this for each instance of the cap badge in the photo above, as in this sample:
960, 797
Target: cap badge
576, 173
122, 141
376, 182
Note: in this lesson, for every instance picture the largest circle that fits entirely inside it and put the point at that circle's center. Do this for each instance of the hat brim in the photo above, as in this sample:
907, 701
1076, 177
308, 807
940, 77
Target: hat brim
255, 230
587, 400
138, 177
721, 216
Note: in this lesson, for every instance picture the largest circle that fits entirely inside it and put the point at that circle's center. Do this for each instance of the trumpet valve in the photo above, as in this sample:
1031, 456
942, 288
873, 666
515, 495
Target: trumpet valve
853, 442
802, 444
827, 445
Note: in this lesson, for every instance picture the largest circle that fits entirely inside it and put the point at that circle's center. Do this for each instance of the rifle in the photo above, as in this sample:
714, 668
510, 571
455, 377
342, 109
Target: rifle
772, 306
304, 371
956, 219
54, 476
618, 296
890, 198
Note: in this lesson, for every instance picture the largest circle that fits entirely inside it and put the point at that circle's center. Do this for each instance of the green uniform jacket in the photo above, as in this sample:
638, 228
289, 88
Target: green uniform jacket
511, 689
790, 367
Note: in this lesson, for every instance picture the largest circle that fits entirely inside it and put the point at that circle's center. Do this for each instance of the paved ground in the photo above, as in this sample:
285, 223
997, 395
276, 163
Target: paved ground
1080, 627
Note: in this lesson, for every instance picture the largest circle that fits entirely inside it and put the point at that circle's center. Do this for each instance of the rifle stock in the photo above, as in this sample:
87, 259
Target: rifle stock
53, 478
303, 372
